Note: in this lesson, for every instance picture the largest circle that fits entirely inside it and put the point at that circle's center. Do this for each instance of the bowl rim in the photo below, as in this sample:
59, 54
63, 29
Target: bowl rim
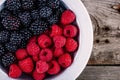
85, 41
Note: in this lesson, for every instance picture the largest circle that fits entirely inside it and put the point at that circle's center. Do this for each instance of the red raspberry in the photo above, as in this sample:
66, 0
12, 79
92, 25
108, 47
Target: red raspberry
26, 65
33, 49
44, 41
67, 17
71, 45
56, 30
58, 52
38, 76
33, 39
14, 71
70, 31
54, 68
46, 55
59, 41
65, 60
35, 58
21, 54
42, 66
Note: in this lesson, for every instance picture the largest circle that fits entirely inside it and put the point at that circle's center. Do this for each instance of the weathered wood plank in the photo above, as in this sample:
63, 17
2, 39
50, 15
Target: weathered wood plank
100, 73
106, 24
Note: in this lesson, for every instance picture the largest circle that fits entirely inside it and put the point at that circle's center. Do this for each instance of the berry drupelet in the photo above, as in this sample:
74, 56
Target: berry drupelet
38, 27
8, 59
11, 23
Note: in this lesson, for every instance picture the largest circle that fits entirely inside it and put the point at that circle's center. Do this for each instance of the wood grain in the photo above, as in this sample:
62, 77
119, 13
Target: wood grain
106, 24
100, 73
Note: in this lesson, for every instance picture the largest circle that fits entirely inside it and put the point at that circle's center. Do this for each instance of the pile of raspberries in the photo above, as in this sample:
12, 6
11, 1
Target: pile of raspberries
37, 40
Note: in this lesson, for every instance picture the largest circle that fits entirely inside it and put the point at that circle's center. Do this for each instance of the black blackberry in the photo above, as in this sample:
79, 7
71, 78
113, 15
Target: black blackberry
4, 13
11, 47
16, 13
11, 23
16, 38
53, 19
45, 12
41, 3
13, 4
35, 14
25, 18
38, 27
2, 50
27, 4
53, 3
8, 59
26, 33
4, 36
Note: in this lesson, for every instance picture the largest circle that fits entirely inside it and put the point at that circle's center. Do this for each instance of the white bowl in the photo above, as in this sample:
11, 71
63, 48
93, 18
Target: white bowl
85, 43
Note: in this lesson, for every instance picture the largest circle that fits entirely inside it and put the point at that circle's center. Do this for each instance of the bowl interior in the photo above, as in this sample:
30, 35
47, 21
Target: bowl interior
85, 43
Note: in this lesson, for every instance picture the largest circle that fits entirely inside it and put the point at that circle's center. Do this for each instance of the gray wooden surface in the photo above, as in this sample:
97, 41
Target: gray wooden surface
106, 50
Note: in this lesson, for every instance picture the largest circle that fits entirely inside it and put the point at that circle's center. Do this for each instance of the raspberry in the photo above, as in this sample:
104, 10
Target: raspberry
11, 23
53, 19
65, 60
26, 65
11, 47
45, 12
33, 39
35, 58
42, 66
44, 41
70, 31
56, 30
35, 14
8, 59
33, 49
21, 54
38, 76
46, 55
27, 4
13, 4
59, 41
2, 50
4, 36
67, 17
38, 27
14, 71
25, 18
53, 3
71, 45
58, 52
54, 68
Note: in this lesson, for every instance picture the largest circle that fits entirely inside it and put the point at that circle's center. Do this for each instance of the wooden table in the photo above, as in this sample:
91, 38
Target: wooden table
104, 63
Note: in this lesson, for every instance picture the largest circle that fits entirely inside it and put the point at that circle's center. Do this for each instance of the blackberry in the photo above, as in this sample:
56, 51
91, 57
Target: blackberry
41, 3
35, 14
53, 3
4, 13
45, 12
16, 38
27, 4
11, 47
26, 33
13, 4
2, 50
15, 13
23, 44
25, 18
4, 36
53, 19
8, 59
11, 23
38, 27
